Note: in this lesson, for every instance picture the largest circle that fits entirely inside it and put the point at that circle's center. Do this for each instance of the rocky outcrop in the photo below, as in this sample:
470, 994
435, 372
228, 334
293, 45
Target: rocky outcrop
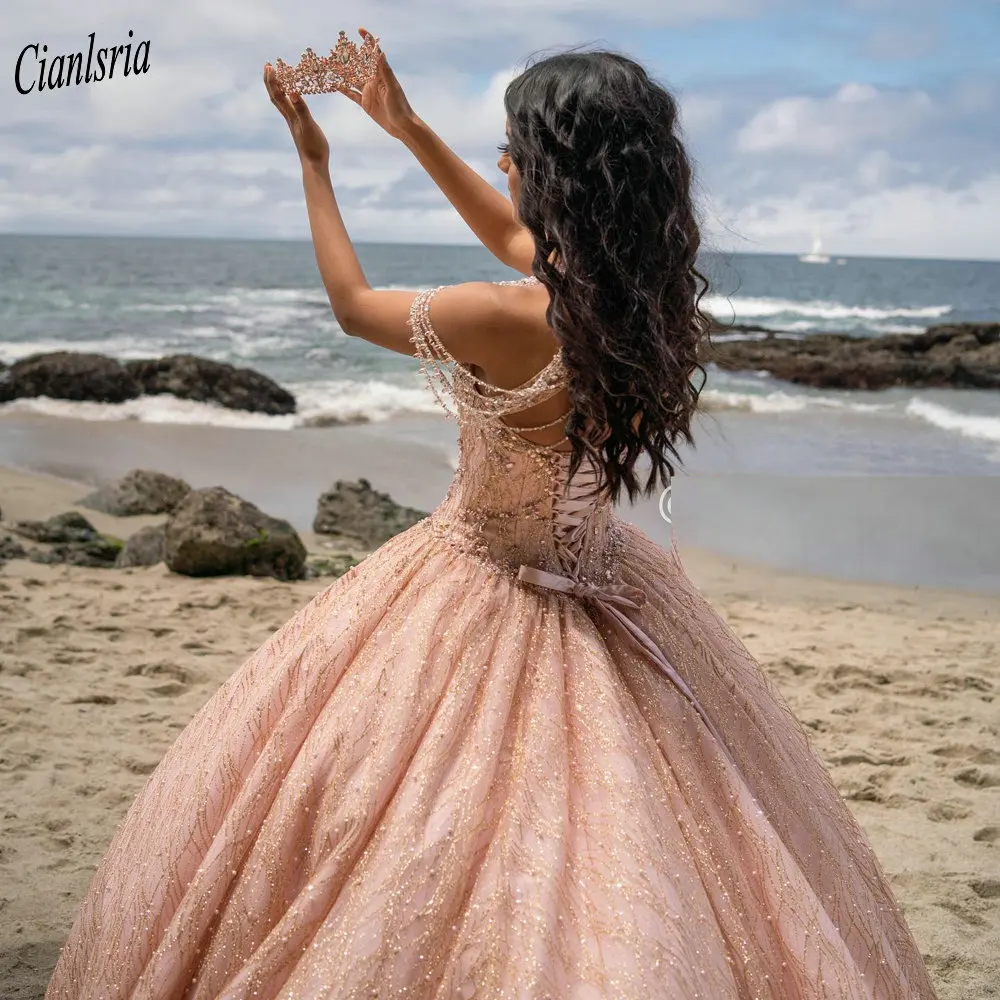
140, 491
354, 510
10, 548
60, 529
69, 375
144, 548
189, 377
212, 532
961, 356
69, 538
96, 378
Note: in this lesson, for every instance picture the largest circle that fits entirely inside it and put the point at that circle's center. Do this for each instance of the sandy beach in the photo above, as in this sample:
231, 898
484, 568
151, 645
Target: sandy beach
101, 669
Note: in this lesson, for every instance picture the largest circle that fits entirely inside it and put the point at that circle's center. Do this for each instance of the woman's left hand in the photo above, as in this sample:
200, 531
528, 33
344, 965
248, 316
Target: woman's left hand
306, 134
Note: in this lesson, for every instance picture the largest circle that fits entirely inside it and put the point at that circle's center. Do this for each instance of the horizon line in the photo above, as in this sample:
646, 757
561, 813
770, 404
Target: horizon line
406, 243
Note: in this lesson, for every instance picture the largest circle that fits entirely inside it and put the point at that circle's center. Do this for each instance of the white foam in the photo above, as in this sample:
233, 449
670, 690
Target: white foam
150, 410
319, 404
785, 334
240, 297
353, 401
276, 315
780, 401
125, 348
167, 307
723, 309
971, 425
205, 299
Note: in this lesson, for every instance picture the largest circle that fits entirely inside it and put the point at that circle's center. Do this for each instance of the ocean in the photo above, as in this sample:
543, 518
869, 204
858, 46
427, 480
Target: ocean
261, 304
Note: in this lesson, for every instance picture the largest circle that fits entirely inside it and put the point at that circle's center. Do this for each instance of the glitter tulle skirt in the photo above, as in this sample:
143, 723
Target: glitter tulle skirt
435, 782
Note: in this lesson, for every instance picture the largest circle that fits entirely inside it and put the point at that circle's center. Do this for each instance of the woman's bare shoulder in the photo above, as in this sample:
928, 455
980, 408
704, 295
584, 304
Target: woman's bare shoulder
527, 342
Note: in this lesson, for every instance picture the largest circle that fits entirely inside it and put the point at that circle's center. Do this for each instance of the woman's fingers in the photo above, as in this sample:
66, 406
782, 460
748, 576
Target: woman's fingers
278, 98
382, 63
386, 70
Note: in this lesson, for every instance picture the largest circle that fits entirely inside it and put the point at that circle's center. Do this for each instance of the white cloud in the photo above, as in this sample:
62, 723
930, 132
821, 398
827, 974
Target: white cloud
914, 220
196, 147
879, 169
700, 111
855, 114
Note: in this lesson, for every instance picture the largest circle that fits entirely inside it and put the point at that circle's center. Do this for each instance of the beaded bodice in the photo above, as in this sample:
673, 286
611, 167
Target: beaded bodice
511, 501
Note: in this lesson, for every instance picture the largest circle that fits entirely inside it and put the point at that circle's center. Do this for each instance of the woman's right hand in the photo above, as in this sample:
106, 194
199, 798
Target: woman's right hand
383, 98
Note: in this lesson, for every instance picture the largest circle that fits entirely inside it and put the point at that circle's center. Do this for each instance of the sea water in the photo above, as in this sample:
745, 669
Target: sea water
261, 304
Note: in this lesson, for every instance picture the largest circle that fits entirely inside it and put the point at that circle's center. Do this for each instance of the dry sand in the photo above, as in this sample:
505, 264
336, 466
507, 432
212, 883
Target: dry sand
100, 670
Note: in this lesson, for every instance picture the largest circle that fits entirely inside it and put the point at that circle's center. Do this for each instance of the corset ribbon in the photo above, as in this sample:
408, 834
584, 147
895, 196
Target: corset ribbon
610, 600
613, 600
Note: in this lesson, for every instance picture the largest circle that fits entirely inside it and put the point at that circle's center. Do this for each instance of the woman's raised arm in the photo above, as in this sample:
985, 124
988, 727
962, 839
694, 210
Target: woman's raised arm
488, 213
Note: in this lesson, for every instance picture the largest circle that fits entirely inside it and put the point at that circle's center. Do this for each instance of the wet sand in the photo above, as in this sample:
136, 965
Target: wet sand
738, 495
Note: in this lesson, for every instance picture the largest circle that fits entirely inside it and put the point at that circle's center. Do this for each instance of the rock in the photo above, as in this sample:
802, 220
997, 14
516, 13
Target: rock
69, 538
141, 491
100, 552
10, 548
333, 565
96, 378
189, 377
960, 355
212, 532
63, 528
68, 375
355, 510
144, 548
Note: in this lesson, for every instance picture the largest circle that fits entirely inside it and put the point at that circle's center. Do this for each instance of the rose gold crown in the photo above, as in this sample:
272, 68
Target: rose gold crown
345, 66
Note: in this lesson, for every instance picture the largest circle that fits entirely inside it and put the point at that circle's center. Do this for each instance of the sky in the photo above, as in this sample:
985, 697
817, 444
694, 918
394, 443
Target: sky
873, 124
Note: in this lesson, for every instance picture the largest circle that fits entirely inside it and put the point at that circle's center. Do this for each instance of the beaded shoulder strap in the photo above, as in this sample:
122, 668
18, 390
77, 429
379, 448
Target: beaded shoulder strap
452, 380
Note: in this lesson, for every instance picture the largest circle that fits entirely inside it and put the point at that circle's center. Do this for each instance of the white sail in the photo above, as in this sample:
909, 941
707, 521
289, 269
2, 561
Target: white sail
816, 256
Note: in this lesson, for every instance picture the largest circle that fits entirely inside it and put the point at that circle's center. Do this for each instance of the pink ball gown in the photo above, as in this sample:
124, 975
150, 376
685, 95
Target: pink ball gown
513, 753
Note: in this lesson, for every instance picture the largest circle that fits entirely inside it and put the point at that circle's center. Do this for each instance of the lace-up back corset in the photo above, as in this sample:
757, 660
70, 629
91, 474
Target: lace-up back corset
511, 501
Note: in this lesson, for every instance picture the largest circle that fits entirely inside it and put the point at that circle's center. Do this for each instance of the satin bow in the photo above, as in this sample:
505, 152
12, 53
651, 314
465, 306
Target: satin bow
610, 599
612, 593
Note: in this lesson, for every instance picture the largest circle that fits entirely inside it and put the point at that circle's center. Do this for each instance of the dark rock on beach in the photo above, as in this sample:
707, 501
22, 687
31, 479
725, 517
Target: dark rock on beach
69, 538
961, 356
100, 552
62, 529
335, 565
96, 378
189, 377
355, 510
69, 375
212, 532
11, 548
141, 491
145, 548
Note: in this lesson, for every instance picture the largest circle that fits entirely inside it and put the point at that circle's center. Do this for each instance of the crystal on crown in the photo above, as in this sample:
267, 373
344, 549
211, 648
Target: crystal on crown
345, 66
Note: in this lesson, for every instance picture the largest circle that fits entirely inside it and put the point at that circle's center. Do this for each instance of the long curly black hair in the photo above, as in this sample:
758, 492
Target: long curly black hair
606, 192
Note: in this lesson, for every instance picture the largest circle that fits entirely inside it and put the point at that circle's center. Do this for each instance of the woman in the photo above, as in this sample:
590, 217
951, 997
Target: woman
514, 752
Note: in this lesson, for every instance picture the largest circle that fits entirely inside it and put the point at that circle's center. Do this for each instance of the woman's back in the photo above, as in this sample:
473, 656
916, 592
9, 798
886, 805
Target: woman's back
531, 350
503, 505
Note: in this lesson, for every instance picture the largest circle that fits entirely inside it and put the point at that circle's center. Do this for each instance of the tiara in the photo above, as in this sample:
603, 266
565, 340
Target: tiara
345, 66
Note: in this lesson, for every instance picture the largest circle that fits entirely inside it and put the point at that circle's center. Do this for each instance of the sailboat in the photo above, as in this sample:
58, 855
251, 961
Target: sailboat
816, 256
